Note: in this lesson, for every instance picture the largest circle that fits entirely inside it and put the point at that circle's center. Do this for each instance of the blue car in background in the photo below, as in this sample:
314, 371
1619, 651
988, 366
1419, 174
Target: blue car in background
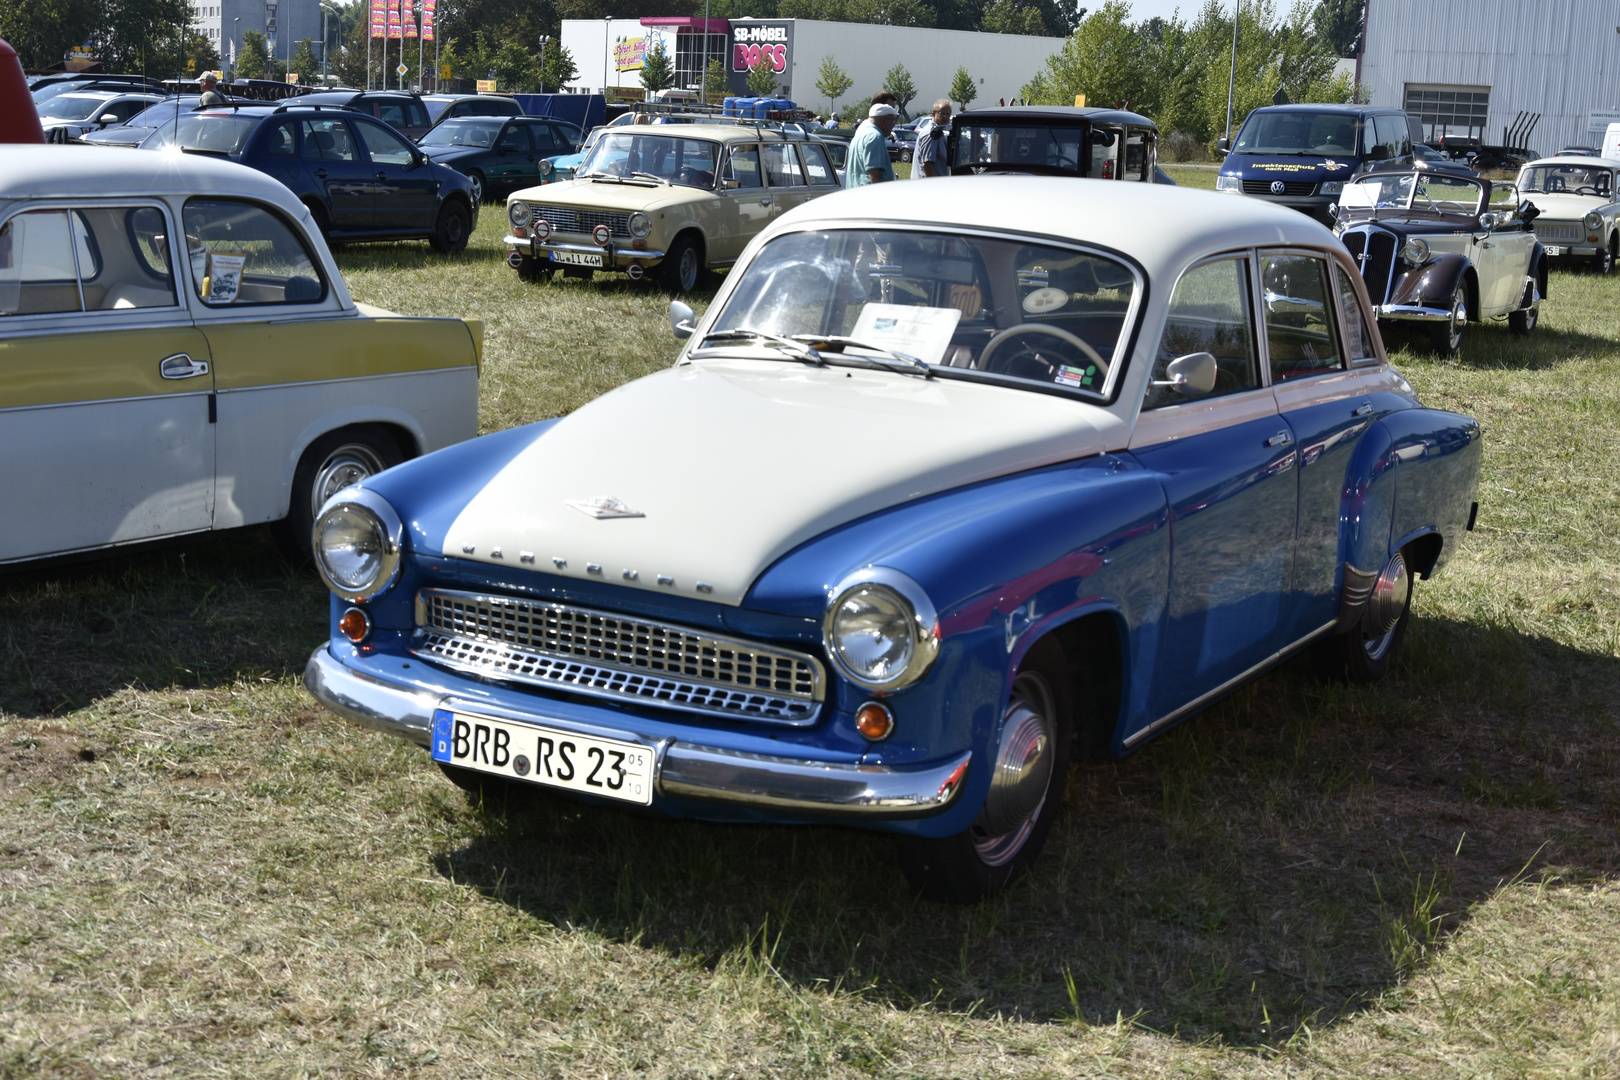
499, 154
361, 179
1301, 155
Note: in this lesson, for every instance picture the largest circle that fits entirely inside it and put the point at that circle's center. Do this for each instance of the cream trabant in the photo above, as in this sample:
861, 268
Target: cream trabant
673, 198
1580, 207
178, 353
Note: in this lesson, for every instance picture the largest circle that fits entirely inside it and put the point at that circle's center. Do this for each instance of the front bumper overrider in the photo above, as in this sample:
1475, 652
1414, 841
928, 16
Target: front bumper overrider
836, 790
613, 258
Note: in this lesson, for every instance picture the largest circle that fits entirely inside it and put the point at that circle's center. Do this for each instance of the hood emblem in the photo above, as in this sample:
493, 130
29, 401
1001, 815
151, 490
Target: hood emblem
604, 506
1278, 187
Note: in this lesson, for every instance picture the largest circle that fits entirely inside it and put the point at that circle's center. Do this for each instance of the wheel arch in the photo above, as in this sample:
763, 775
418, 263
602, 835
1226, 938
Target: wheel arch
1093, 643
695, 231
1421, 549
399, 426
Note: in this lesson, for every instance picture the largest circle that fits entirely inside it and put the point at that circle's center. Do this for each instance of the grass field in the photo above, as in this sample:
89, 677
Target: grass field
203, 874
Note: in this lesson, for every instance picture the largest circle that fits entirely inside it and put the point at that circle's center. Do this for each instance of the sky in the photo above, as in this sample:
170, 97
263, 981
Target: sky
1142, 10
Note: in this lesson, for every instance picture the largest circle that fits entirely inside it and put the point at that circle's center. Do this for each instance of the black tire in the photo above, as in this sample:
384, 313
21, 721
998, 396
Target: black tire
975, 864
476, 178
1447, 338
1603, 261
1526, 320
331, 463
533, 269
905, 155
682, 268
454, 229
1365, 653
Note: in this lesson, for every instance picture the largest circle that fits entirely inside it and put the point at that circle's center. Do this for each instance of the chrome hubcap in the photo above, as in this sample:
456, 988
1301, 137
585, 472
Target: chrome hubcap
689, 268
478, 189
1459, 319
1385, 607
344, 466
1022, 773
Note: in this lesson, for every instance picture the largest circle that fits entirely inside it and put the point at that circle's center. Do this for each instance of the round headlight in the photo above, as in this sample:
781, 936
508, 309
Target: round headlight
545, 166
881, 629
357, 544
1594, 219
517, 212
640, 225
1416, 251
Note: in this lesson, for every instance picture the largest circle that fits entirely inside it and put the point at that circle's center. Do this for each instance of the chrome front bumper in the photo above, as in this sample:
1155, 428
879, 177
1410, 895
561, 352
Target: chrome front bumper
686, 770
613, 258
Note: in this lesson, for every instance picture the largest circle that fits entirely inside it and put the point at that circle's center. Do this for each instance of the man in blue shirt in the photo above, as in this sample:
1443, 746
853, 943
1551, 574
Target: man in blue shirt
932, 136
869, 151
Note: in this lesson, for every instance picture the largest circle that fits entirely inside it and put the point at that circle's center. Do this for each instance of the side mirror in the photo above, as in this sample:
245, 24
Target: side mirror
1488, 220
1333, 211
1223, 145
1192, 375
1528, 211
682, 320
105, 119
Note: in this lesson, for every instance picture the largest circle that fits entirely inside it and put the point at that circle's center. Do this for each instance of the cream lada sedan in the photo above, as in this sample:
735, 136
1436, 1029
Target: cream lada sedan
146, 393
675, 199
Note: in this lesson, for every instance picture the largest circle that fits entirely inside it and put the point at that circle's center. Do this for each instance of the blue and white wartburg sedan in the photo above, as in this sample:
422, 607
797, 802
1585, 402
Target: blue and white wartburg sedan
950, 483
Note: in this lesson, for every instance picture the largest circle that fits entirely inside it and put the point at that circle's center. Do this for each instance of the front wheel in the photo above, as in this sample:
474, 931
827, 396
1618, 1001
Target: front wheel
683, 265
905, 155
453, 230
1447, 338
476, 178
1524, 321
331, 463
1026, 788
1603, 261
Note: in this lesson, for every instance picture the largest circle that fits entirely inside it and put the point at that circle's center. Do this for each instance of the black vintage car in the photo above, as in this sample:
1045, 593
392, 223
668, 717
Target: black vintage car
1439, 250
1056, 140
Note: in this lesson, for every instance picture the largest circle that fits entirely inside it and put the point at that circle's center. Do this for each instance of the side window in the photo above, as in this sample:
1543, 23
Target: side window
568, 136
743, 167
514, 139
1209, 312
1390, 132
38, 275
243, 254
384, 146
545, 140
418, 114
123, 261
1299, 320
282, 140
328, 140
782, 165
1135, 154
391, 112
1355, 321
816, 165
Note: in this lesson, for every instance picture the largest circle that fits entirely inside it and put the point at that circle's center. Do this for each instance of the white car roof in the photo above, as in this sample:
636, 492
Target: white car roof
1579, 160
1160, 226
71, 172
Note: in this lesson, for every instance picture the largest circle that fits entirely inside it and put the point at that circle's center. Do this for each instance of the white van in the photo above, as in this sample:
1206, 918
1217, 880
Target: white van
1611, 142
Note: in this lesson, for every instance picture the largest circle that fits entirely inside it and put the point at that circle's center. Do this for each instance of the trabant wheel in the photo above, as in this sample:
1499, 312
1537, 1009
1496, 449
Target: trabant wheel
476, 178
453, 230
1365, 652
1447, 338
1028, 773
331, 464
1603, 261
682, 266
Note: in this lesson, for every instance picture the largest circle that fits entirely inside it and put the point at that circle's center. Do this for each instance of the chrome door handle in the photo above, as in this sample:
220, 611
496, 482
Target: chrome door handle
764, 202
1282, 438
181, 366
1363, 409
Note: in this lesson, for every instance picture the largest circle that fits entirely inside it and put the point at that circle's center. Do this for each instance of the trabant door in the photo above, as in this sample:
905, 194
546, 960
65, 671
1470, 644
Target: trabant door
105, 385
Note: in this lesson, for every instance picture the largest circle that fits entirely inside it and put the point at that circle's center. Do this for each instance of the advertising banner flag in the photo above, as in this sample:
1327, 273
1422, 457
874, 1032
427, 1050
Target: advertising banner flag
427, 19
394, 28
410, 20
379, 18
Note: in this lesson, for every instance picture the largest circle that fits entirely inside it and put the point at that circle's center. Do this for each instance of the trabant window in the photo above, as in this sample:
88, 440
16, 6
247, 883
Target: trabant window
1027, 313
122, 261
1210, 311
688, 162
242, 254
1044, 145
1567, 180
1299, 316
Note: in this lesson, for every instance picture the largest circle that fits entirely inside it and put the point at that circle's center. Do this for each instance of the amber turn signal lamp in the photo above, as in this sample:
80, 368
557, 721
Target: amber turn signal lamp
355, 625
874, 721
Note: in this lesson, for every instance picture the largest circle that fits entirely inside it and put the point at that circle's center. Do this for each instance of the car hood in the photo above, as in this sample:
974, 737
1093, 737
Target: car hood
611, 195
1566, 207
451, 153
730, 464
1315, 168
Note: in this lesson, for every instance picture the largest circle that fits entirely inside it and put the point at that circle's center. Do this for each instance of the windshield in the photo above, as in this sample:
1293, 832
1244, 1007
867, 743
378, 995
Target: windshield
1019, 144
1567, 180
70, 107
464, 133
1438, 192
1023, 313
161, 113
689, 162
1299, 133
210, 133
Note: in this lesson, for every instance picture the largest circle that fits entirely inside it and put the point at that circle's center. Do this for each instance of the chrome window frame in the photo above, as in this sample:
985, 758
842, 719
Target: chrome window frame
1247, 256
1338, 322
118, 315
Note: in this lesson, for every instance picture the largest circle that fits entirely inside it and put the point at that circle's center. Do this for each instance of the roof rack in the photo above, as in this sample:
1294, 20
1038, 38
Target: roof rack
294, 103
788, 129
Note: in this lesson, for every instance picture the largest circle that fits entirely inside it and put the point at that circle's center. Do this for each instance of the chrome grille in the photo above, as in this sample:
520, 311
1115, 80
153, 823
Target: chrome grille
1547, 230
1290, 187
1377, 269
615, 656
568, 219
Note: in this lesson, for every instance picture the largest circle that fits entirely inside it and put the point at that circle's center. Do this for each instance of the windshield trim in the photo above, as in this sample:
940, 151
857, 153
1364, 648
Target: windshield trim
1124, 350
721, 149
1417, 174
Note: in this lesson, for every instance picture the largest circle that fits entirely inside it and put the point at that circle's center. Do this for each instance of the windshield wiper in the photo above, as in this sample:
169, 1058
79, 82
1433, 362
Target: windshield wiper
652, 176
843, 343
797, 349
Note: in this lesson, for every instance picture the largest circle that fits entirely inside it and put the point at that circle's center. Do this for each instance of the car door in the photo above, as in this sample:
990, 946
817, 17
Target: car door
512, 162
783, 176
1227, 463
1514, 245
405, 191
107, 390
818, 170
745, 202
332, 159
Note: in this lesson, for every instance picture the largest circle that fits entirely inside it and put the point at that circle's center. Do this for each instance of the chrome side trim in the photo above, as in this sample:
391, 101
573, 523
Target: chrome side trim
1229, 685
1358, 586
1411, 313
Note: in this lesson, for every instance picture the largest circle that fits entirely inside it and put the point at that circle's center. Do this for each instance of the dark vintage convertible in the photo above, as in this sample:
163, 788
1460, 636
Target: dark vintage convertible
1439, 250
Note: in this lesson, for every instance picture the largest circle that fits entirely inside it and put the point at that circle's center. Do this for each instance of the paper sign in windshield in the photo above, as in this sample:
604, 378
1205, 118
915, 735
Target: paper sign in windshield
923, 332
224, 279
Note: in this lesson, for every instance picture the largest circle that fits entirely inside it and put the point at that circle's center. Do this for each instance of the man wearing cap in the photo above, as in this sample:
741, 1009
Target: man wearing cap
210, 91
869, 149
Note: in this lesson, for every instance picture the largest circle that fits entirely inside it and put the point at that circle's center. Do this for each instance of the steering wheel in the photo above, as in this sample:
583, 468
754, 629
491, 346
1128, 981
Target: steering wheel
1039, 328
1587, 189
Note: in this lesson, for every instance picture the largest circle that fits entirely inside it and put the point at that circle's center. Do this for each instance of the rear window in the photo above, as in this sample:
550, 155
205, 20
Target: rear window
243, 254
208, 134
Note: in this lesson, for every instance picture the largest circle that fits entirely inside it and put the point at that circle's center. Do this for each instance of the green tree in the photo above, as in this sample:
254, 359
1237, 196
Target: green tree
1011, 17
657, 72
716, 84
963, 90
305, 63
833, 83
559, 69
1339, 24
200, 55
42, 31
1102, 60
350, 64
898, 82
252, 59
761, 80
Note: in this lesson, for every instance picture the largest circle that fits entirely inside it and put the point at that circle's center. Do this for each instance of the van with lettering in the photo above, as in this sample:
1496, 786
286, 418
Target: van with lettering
1301, 155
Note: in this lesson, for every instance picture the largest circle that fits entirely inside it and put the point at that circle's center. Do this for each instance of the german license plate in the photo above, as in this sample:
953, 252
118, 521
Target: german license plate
561, 759
1554, 249
577, 258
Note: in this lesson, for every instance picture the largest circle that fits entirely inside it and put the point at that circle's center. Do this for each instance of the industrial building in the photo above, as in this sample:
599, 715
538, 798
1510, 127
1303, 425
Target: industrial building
609, 53
1492, 70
